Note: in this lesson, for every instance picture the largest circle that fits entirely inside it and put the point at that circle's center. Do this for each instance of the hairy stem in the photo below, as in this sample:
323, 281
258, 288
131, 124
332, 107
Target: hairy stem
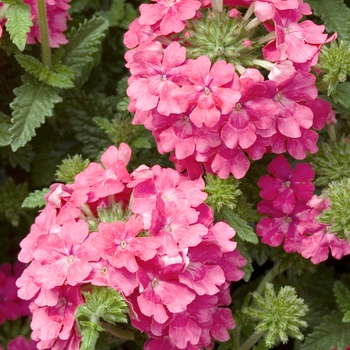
44, 34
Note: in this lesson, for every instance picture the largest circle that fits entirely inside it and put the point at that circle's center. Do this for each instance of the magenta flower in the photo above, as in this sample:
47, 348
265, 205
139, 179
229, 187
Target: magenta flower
209, 94
287, 186
120, 245
172, 14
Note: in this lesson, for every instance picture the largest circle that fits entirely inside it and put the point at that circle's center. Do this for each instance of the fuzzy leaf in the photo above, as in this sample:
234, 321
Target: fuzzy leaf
5, 135
34, 101
342, 296
331, 333
335, 15
18, 23
60, 77
244, 231
36, 199
341, 94
83, 43
83, 108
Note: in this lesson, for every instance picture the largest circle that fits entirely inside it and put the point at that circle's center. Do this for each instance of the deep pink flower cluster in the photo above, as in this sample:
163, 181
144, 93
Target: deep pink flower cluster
292, 211
11, 307
147, 234
57, 15
203, 111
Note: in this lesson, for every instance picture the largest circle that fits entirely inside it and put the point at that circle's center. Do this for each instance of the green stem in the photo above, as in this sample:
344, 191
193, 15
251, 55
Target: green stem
331, 132
44, 34
252, 340
117, 332
268, 278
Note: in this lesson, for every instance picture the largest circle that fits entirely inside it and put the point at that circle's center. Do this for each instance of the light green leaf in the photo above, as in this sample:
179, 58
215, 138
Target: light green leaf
36, 199
18, 23
5, 135
335, 14
83, 44
332, 333
341, 94
243, 230
34, 101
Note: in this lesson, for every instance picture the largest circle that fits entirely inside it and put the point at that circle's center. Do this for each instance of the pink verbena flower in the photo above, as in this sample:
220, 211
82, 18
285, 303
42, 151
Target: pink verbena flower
287, 186
147, 234
171, 14
209, 93
57, 15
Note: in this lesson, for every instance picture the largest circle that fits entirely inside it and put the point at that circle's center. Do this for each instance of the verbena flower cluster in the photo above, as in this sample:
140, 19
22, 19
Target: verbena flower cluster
149, 235
195, 86
292, 211
57, 16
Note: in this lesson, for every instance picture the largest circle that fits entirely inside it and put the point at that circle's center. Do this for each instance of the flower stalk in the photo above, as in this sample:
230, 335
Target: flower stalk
44, 34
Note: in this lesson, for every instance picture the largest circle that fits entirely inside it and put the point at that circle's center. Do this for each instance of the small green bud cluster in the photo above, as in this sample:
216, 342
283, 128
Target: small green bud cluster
221, 192
334, 61
331, 162
337, 216
279, 317
70, 167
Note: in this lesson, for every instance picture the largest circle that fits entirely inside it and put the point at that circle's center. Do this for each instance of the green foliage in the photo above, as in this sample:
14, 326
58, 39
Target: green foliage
5, 135
221, 192
83, 44
243, 230
334, 63
18, 23
34, 101
102, 304
331, 162
82, 110
342, 295
337, 216
11, 197
70, 167
120, 14
61, 76
335, 15
341, 94
332, 333
279, 316
36, 199
22, 157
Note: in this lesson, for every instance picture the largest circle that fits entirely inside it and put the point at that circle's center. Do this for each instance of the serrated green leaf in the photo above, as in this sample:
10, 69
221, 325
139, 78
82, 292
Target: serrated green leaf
83, 43
5, 135
342, 297
18, 23
60, 77
341, 94
33, 103
36, 199
243, 230
335, 14
248, 268
331, 333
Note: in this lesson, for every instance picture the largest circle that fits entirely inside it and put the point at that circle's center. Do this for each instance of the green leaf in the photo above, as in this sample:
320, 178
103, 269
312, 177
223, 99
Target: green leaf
60, 77
34, 101
116, 12
36, 199
18, 23
83, 44
331, 333
22, 157
342, 296
5, 135
83, 108
244, 231
335, 14
341, 94
248, 268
